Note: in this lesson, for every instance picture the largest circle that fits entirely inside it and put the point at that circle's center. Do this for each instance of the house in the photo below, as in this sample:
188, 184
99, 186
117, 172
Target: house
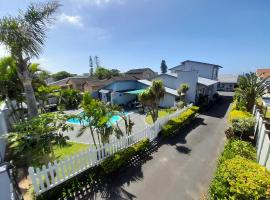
227, 82
125, 90
75, 82
142, 73
264, 74
201, 78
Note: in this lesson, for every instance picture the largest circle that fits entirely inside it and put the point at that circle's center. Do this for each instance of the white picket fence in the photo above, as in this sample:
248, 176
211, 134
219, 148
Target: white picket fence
262, 139
47, 177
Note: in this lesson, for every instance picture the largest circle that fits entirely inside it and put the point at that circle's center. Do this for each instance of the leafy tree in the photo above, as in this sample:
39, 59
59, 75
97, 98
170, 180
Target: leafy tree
182, 91
70, 98
24, 36
163, 67
45, 92
250, 88
151, 98
61, 75
103, 73
91, 67
32, 141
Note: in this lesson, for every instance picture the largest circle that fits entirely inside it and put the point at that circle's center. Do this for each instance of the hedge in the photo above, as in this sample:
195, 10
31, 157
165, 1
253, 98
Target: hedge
238, 114
241, 179
176, 123
238, 176
122, 157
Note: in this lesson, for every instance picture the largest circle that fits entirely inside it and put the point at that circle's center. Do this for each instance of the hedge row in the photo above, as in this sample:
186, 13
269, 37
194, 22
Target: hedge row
238, 176
122, 157
176, 123
67, 189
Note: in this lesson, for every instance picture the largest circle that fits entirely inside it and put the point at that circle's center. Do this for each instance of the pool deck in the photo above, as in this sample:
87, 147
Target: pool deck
138, 119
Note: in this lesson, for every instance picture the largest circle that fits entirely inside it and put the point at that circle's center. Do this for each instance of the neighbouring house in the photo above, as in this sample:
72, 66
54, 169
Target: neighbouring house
124, 91
142, 73
264, 74
201, 78
75, 82
227, 82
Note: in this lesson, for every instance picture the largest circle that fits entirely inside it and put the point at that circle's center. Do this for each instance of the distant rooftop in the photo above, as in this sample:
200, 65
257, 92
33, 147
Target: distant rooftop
138, 70
263, 73
228, 78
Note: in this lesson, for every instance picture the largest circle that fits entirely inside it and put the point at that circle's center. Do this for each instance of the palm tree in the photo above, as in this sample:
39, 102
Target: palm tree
151, 98
182, 91
24, 36
250, 88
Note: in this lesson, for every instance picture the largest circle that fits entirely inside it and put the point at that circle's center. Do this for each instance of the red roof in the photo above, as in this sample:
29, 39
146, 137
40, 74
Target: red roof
263, 73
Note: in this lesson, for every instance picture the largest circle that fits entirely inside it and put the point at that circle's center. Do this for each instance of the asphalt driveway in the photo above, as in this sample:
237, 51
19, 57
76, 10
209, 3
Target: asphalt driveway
180, 167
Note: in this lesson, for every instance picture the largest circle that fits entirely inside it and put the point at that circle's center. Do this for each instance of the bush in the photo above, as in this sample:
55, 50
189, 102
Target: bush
240, 179
176, 123
234, 147
122, 157
70, 99
243, 127
238, 114
180, 104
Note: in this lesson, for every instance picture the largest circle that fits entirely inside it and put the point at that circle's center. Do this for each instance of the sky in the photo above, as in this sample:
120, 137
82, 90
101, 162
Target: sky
127, 34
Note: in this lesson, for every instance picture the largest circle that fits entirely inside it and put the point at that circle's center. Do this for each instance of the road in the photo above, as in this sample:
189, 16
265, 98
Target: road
180, 167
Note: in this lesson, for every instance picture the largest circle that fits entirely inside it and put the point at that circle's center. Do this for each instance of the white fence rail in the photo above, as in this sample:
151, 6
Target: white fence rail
47, 177
262, 139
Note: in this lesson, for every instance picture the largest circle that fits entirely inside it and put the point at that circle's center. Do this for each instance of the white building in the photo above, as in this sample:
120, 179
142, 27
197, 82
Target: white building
227, 82
201, 78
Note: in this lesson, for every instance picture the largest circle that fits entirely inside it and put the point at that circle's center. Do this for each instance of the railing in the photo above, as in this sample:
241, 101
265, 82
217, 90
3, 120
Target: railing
262, 135
55, 173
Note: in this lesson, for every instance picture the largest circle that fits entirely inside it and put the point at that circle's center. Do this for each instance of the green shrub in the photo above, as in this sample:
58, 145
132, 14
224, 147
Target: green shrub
243, 127
238, 114
240, 179
176, 123
235, 147
122, 157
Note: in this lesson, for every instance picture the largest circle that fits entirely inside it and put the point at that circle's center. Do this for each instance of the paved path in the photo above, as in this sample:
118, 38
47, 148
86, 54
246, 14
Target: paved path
179, 168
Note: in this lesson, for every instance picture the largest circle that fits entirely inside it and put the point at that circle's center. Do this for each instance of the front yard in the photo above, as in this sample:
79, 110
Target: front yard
161, 113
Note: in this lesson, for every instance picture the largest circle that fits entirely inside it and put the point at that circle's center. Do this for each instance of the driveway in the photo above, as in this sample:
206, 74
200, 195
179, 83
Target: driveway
180, 167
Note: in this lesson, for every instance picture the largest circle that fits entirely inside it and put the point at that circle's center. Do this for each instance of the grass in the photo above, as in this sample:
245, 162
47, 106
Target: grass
161, 113
70, 149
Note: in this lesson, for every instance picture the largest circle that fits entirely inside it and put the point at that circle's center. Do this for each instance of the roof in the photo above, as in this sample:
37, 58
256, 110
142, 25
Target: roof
263, 73
138, 71
228, 78
206, 81
170, 75
60, 82
135, 91
168, 90
182, 63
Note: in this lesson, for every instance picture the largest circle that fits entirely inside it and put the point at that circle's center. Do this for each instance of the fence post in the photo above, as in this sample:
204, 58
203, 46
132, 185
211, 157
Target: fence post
33, 178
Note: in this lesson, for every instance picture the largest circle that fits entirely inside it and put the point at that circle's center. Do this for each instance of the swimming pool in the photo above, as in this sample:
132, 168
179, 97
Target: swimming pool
77, 121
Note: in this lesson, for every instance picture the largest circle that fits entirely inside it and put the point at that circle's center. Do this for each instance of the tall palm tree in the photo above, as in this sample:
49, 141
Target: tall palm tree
250, 87
151, 98
24, 36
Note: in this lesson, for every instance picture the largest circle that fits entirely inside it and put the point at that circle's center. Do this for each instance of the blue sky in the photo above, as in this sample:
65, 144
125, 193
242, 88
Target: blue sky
140, 33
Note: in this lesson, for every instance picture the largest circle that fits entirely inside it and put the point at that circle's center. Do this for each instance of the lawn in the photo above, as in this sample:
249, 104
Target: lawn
70, 149
161, 113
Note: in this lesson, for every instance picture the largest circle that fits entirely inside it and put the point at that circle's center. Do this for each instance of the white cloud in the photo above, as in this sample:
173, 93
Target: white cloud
71, 19
3, 51
100, 2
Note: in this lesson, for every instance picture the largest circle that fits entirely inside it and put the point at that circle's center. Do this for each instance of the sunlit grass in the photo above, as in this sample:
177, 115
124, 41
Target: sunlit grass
161, 113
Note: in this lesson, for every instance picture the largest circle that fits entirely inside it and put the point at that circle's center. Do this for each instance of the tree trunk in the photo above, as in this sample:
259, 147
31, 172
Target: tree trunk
25, 77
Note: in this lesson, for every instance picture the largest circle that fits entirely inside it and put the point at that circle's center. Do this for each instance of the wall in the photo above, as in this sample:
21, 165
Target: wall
229, 87
3, 130
168, 81
168, 101
121, 98
122, 86
191, 78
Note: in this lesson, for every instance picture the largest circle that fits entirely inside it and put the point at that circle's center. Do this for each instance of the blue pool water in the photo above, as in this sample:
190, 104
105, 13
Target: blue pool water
77, 121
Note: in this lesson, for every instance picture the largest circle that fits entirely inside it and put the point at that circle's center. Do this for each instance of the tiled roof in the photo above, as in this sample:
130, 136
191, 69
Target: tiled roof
263, 73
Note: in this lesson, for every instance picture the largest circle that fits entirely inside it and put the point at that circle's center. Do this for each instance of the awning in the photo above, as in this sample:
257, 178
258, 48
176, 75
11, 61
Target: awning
104, 91
206, 82
135, 91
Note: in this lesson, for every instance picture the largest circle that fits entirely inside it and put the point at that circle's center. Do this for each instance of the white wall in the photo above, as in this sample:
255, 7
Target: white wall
204, 70
191, 78
168, 81
168, 101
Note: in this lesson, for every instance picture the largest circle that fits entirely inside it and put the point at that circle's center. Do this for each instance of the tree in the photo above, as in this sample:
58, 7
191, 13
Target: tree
24, 36
250, 88
91, 67
163, 67
104, 73
97, 62
61, 75
151, 98
43, 94
70, 99
182, 91
32, 141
